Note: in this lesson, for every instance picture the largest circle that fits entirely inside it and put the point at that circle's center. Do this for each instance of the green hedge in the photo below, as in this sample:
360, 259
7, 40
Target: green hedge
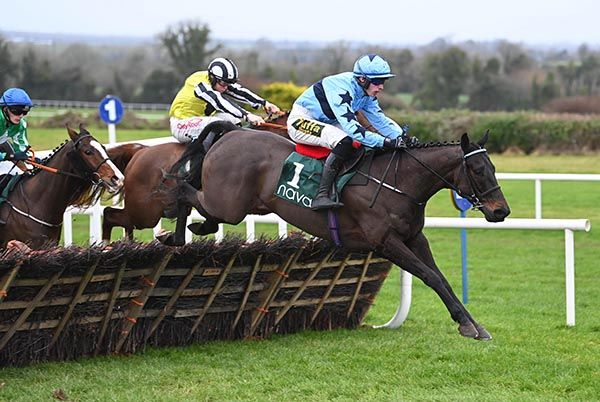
525, 131
283, 94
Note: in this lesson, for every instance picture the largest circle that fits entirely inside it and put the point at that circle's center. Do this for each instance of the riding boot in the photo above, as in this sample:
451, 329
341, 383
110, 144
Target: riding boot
323, 199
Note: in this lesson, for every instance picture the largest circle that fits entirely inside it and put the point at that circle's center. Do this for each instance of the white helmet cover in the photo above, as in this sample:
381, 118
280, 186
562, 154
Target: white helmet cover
223, 69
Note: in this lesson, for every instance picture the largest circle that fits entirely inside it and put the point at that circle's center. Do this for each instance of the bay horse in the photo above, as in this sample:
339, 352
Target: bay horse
240, 172
72, 175
143, 167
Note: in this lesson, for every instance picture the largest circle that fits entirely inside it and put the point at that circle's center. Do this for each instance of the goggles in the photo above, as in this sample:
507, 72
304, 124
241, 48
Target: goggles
377, 81
224, 83
19, 110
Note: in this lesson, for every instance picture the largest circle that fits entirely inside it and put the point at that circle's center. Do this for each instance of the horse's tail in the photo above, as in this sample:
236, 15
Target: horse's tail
196, 150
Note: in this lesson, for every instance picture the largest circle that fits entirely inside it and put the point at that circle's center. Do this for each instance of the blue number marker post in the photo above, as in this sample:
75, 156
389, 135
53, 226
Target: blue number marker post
111, 112
463, 205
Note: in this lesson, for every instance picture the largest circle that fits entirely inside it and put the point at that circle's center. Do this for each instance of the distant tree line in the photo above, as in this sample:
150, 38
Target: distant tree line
478, 76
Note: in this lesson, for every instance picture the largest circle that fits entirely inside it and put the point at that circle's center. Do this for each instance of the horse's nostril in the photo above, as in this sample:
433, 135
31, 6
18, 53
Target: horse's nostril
501, 213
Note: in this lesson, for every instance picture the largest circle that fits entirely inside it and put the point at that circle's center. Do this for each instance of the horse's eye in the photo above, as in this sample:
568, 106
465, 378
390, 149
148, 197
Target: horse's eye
88, 152
478, 171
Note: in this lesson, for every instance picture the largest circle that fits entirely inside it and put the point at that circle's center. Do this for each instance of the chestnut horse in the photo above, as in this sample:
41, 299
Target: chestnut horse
73, 175
240, 172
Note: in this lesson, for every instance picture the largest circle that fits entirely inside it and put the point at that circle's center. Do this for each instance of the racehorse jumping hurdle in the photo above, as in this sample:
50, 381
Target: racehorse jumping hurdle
65, 303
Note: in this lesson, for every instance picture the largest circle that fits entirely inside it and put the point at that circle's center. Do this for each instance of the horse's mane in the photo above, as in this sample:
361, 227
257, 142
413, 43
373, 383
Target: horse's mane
434, 144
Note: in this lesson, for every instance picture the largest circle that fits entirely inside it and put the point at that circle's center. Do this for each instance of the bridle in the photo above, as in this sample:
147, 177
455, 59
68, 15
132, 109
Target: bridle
476, 194
474, 197
90, 174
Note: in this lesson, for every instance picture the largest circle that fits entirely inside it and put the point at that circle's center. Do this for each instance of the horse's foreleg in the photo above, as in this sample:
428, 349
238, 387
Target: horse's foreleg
396, 251
419, 245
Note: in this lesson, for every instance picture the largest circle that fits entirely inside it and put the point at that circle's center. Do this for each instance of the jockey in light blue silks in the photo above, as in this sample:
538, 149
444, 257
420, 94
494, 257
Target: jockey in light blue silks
325, 115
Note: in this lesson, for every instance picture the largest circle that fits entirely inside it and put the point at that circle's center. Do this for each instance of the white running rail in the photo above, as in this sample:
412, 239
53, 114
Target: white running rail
568, 225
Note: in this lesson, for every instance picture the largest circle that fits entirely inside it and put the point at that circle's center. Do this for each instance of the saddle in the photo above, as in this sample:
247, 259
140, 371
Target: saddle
300, 174
361, 159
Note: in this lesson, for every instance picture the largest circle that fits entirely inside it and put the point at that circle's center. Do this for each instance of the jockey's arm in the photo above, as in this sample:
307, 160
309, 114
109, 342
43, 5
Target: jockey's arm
218, 101
382, 124
347, 119
242, 94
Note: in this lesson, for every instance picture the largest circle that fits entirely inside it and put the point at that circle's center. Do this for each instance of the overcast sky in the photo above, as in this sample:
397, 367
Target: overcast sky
395, 22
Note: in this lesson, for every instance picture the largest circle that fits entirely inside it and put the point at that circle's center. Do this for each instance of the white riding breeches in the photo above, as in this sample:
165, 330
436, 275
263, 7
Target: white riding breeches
7, 167
302, 128
186, 130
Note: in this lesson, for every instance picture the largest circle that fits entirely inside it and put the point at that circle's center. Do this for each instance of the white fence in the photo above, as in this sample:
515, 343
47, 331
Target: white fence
70, 104
539, 177
568, 225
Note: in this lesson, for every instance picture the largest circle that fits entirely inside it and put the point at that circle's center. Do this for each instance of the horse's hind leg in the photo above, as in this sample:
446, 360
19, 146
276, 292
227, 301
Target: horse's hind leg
209, 226
188, 195
396, 251
116, 217
420, 247
177, 238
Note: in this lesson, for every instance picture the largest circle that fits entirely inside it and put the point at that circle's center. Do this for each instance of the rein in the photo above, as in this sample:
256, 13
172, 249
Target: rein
381, 183
473, 198
273, 125
53, 170
92, 175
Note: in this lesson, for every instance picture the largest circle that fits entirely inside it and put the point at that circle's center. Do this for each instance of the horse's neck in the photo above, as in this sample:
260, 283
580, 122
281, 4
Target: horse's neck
444, 160
51, 192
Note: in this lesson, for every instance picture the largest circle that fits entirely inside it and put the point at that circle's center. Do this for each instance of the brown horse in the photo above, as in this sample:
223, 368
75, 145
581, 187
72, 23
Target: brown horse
235, 184
72, 175
143, 168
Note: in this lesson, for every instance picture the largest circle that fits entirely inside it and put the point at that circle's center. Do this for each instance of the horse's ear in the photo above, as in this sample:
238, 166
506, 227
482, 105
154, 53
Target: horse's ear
483, 140
72, 133
83, 129
464, 142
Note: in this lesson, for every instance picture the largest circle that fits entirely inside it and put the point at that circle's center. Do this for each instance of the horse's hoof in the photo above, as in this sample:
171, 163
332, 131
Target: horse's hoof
483, 335
468, 330
203, 228
169, 239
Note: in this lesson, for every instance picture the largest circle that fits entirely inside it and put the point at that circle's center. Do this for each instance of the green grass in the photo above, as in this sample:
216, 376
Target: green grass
516, 291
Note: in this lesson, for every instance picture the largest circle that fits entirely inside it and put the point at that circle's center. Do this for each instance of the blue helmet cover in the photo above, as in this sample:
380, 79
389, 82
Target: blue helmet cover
372, 66
15, 97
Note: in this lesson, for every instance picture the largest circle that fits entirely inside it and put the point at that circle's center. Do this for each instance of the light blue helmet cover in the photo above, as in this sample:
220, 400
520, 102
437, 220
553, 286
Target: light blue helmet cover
372, 66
